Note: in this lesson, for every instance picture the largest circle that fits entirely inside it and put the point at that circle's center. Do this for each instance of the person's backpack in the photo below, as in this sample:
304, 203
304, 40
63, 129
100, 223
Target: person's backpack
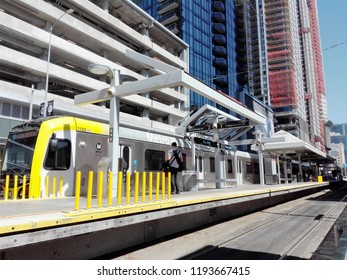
180, 163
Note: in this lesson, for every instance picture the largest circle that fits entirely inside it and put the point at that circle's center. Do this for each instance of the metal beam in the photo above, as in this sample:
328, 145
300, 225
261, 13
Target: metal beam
151, 62
95, 96
170, 80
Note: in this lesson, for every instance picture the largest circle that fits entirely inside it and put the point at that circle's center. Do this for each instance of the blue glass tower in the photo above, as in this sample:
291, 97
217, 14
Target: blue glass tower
208, 27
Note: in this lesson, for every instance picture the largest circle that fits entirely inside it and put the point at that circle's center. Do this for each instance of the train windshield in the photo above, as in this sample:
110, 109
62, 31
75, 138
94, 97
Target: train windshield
19, 152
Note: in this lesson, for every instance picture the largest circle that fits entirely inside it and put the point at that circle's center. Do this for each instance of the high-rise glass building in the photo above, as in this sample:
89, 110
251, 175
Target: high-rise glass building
264, 49
295, 69
339, 136
226, 39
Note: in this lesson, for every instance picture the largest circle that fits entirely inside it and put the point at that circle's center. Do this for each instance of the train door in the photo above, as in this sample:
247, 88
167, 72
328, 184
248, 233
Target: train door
240, 172
90, 149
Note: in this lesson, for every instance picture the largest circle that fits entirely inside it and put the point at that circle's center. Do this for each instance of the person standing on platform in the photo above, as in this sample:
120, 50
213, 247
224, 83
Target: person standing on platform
175, 159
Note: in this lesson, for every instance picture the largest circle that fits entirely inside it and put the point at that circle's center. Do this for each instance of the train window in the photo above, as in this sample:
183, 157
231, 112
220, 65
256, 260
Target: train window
212, 166
154, 160
249, 167
58, 158
256, 168
230, 166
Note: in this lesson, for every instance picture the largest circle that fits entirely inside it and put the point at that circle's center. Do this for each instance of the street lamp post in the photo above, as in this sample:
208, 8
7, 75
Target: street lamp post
260, 155
69, 11
100, 69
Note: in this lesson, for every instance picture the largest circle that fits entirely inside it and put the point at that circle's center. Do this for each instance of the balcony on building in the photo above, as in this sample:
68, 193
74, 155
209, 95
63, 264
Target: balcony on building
173, 27
167, 6
221, 80
218, 28
219, 51
218, 6
168, 18
218, 17
220, 63
219, 40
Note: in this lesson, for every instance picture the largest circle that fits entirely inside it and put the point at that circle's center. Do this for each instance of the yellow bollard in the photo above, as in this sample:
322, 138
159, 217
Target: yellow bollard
168, 185
24, 189
144, 186
150, 186
100, 180
78, 190
136, 194
90, 189
127, 192
163, 185
109, 195
7, 183
157, 183
61, 186
47, 186
119, 187
15, 187
31, 191
54, 188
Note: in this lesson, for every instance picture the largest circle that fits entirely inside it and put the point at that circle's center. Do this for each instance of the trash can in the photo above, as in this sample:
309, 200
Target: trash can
320, 179
190, 180
104, 166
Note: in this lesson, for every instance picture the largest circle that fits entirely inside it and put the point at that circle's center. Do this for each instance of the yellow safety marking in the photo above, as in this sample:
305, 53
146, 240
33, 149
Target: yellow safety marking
61, 186
78, 190
90, 189
119, 187
15, 189
100, 181
136, 195
110, 183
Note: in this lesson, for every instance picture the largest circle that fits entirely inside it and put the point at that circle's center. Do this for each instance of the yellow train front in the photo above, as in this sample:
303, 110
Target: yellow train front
47, 149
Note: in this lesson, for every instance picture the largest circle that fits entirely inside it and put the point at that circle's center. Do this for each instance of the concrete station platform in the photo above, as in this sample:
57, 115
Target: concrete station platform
51, 229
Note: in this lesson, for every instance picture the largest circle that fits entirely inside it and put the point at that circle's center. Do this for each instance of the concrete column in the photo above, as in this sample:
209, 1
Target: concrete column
285, 169
300, 179
193, 155
145, 111
236, 169
278, 169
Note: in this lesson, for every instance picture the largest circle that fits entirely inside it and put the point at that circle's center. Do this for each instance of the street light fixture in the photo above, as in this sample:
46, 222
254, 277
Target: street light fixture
259, 142
69, 11
116, 79
114, 74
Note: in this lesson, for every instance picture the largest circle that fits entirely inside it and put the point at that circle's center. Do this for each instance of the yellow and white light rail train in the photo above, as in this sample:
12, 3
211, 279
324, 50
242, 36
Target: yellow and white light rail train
60, 146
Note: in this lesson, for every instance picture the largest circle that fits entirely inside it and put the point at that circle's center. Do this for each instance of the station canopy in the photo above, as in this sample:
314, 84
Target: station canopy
211, 123
293, 146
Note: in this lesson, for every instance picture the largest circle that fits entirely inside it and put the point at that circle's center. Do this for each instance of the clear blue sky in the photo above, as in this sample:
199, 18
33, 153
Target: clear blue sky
333, 31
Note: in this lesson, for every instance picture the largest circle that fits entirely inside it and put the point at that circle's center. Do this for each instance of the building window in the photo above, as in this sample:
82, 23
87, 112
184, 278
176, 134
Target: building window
15, 111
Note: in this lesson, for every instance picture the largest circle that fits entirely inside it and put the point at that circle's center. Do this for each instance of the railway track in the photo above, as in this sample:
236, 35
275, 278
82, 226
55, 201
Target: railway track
292, 230
339, 200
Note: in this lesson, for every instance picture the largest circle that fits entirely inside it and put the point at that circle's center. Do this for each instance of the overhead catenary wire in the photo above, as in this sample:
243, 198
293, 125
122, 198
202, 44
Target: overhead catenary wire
334, 46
